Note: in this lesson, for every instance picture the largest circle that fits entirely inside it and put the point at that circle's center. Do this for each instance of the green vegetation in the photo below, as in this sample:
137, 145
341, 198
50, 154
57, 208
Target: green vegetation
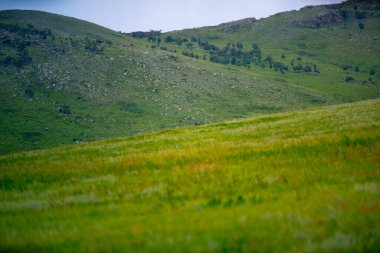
67, 80
231, 54
97, 74
299, 181
323, 37
291, 177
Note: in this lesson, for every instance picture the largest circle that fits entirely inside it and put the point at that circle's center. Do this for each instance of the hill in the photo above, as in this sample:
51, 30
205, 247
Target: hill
63, 80
342, 40
299, 181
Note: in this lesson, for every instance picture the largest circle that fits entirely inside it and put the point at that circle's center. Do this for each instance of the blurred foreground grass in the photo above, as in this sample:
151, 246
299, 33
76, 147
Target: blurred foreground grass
298, 181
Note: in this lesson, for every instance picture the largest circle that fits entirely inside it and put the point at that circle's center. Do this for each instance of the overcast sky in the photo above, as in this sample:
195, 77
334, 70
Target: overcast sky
165, 15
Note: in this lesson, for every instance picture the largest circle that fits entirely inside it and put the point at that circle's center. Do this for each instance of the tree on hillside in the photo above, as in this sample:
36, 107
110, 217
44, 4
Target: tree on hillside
29, 94
315, 68
256, 52
233, 61
269, 59
169, 39
307, 68
189, 45
298, 67
179, 42
344, 14
360, 15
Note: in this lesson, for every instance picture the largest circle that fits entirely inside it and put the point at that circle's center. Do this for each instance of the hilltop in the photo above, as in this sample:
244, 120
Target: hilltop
65, 80
342, 40
299, 181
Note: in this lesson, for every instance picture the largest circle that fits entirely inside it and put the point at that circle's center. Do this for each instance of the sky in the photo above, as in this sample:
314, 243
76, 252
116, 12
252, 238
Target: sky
165, 15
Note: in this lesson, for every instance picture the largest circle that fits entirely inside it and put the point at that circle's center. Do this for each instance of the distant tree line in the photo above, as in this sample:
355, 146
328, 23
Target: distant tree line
152, 35
190, 54
178, 41
231, 54
372, 70
299, 66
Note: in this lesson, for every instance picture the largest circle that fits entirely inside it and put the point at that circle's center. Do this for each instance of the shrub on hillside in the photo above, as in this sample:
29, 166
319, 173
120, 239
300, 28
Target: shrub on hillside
65, 109
349, 79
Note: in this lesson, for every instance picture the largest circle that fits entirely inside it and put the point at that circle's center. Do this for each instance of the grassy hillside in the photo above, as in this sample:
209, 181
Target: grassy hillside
64, 80
304, 180
343, 40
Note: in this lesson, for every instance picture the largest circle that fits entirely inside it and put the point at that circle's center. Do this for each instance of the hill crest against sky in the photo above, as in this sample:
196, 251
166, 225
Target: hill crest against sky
166, 15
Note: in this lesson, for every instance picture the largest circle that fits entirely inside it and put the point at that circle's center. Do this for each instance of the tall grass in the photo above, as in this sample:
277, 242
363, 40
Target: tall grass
300, 181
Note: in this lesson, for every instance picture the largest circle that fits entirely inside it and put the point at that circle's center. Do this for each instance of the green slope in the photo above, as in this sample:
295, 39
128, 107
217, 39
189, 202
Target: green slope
64, 80
299, 181
327, 35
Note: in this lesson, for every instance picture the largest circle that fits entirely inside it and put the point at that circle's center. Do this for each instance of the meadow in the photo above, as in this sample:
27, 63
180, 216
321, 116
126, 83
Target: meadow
115, 85
299, 181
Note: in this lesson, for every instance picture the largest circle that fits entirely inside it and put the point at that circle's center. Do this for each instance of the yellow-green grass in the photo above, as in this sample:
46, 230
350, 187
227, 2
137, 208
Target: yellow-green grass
301, 181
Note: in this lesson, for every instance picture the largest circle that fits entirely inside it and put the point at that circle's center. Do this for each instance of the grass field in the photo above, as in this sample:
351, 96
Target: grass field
300, 181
